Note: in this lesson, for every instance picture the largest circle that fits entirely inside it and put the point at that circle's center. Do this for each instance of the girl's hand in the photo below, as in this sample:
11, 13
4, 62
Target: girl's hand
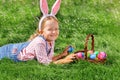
68, 59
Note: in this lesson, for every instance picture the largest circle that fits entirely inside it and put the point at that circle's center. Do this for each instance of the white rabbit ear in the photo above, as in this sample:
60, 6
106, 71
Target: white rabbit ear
44, 7
56, 7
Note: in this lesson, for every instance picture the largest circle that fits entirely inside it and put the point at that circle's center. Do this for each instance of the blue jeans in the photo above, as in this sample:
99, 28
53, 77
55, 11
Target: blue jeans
6, 51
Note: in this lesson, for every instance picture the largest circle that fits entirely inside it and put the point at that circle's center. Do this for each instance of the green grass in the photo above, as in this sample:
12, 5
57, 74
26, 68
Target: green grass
77, 19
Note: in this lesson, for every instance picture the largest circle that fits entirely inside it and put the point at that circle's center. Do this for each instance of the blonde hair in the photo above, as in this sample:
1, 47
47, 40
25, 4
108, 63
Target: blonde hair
37, 32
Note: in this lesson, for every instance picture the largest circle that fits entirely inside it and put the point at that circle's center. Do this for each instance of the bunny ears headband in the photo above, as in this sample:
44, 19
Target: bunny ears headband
44, 10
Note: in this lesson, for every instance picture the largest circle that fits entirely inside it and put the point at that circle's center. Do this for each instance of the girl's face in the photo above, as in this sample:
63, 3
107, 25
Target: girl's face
50, 30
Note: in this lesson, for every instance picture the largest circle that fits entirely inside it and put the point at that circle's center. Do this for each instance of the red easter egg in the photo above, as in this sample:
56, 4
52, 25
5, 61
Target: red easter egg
102, 55
80, 55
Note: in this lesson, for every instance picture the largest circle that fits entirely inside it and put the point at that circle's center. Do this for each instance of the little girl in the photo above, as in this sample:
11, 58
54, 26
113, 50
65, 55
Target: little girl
40, 46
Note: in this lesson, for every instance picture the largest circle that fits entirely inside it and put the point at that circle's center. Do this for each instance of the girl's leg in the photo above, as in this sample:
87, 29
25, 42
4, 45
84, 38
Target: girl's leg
3, 51
12, 50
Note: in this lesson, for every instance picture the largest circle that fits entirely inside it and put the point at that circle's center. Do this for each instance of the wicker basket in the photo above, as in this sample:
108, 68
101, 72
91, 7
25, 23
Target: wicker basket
92, 48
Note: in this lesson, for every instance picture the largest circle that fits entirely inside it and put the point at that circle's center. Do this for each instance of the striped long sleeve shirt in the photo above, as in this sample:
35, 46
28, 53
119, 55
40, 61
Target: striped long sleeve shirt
38, 49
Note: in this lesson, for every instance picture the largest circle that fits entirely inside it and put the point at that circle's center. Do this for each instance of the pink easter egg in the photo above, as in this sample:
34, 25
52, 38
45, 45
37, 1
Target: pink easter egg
80, 55
102, 55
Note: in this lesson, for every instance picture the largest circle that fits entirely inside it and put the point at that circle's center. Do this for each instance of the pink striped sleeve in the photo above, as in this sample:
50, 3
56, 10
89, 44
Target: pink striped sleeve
41, 54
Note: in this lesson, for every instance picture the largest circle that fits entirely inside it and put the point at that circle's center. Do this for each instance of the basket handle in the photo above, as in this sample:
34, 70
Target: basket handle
86, 44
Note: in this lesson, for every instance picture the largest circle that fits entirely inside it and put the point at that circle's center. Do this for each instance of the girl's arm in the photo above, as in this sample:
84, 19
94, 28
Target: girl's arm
62, 55
68, 59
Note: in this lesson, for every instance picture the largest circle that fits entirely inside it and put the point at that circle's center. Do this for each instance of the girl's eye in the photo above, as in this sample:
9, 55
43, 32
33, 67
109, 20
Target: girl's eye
56, 29
49, 29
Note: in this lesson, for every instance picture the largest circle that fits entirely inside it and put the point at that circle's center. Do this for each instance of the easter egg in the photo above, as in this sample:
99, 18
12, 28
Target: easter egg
96, 58
96, 52
102, 55
70, 49
90, 51
80, 55
92, 56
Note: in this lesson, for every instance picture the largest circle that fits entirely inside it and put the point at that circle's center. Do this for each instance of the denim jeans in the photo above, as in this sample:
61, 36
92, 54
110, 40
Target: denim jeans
12, 50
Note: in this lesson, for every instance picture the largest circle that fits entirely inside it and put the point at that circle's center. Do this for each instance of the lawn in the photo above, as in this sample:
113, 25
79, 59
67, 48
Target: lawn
77, 18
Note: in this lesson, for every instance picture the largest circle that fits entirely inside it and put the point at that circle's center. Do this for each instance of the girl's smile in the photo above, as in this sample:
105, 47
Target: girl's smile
51, 30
